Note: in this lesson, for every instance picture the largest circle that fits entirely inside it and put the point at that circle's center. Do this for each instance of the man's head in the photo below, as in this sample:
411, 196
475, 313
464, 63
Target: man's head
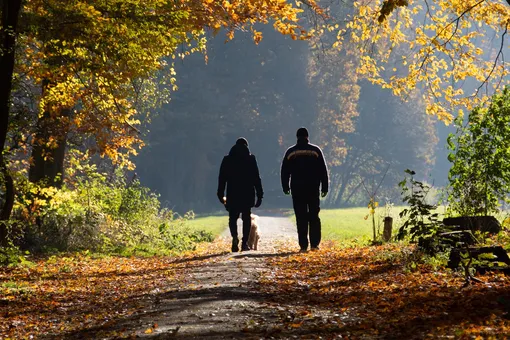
241, 141
302, 133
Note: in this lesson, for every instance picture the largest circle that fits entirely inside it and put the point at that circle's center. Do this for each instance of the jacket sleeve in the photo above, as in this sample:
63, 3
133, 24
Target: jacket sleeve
323, 168
285, 172
257, 180
222, 178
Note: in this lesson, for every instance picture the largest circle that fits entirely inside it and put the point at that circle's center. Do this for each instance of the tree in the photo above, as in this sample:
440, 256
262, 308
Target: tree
453, 50
480, 172
8, 33
387, 133
362, 128
95, 60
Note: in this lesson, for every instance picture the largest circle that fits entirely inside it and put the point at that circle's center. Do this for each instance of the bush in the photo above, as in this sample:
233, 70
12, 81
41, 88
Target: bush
108, 216
480, 173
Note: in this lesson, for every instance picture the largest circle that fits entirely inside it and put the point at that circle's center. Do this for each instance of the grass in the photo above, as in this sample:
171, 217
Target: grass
349, 223
212, 224
337, 224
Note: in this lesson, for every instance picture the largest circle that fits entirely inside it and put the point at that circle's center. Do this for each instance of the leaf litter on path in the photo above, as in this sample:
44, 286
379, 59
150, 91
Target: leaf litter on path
273, 293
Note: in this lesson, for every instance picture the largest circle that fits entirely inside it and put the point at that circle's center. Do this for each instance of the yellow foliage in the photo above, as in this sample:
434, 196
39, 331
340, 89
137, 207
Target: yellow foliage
442, 52
97, 57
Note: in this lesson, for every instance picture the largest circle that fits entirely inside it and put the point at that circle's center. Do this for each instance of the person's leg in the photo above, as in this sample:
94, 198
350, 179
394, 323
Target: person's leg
300, 209
315, 221
233, 215
246, 216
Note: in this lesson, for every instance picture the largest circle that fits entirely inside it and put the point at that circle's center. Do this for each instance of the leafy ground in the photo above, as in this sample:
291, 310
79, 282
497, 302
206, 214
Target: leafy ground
370, 292
361, 292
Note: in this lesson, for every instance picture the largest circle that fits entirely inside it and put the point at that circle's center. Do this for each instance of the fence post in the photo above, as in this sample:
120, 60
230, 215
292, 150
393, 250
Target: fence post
388, 225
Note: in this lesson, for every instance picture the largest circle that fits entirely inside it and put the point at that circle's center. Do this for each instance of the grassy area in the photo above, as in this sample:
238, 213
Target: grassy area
346, 224
350, 223
212, 224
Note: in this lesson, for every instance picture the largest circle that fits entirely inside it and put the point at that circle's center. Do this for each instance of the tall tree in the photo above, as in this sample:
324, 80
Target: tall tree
8, 32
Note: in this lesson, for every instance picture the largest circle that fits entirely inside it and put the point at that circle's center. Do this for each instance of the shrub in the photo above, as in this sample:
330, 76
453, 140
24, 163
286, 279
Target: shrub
420, 222
480, 173
108, 216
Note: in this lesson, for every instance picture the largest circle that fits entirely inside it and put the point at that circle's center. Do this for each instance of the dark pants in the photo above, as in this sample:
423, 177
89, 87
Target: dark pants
233, 215
307, 210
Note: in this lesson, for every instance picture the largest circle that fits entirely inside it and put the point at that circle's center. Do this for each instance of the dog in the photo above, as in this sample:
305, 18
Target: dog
253, 239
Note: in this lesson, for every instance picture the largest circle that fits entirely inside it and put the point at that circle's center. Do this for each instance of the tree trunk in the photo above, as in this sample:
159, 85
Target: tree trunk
341, 192
9, 24
48, 158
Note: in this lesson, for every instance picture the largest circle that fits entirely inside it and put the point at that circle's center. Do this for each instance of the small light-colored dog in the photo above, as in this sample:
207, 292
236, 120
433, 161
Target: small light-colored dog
253, 239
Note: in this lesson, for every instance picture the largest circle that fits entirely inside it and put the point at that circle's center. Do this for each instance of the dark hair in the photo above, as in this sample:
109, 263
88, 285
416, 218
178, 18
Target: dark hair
302, 132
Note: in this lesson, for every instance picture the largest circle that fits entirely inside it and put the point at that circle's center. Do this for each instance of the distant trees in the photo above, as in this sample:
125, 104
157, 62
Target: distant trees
259, 92
388, 133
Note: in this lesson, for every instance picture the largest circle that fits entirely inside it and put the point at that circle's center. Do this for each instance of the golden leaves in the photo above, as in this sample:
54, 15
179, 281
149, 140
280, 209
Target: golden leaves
64, 295
440, 54
93, 54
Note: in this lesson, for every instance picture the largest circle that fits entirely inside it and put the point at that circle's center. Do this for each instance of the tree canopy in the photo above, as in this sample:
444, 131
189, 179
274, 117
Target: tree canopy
453, 51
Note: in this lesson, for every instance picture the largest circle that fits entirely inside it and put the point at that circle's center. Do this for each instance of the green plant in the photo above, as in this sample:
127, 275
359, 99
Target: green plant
105, 214
12, 256
420, 222
480, 173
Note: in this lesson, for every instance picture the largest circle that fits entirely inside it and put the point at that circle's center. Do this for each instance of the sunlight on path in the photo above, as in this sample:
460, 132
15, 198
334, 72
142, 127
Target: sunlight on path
275, 231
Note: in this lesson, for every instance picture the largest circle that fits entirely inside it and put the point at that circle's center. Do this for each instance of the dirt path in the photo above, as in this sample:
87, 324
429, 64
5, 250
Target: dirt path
220, 299
273, 228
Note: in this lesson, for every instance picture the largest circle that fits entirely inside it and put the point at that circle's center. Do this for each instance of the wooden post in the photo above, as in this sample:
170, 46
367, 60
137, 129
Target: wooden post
388, 225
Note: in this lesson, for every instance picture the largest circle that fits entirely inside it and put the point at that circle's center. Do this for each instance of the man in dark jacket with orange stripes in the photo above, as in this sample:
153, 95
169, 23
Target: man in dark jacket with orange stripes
240, 174
305, 167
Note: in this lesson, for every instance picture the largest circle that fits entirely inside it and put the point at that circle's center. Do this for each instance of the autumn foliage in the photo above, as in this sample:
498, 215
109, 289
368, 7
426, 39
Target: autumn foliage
452, 52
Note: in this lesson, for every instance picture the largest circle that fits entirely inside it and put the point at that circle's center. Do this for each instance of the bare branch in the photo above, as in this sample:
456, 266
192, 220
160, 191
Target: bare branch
500, 53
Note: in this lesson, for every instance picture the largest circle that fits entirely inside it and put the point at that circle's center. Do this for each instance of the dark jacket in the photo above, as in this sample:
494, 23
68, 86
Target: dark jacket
240, 174
306, 168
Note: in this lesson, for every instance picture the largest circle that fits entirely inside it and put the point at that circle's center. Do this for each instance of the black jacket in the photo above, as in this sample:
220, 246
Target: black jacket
240, 174
306, 168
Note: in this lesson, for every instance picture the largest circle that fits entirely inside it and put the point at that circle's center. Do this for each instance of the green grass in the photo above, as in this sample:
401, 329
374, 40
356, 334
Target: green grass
349, 223
346, 224
212, 224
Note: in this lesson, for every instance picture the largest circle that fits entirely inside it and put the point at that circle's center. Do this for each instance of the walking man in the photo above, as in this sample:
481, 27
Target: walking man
240, 174
305, 166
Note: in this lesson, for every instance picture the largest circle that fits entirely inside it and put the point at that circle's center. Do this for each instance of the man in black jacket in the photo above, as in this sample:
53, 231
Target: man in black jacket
240, 173
305, 166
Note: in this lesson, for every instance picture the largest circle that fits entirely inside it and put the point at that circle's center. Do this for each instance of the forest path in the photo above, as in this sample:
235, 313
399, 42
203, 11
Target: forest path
217, 295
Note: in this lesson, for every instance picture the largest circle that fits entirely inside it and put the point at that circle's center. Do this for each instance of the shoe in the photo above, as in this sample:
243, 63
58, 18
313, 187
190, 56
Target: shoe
314, 248
235, 244
303, 250
245, 247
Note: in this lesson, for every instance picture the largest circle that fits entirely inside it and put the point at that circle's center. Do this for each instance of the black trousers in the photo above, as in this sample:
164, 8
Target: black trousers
233, 215
308, 222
